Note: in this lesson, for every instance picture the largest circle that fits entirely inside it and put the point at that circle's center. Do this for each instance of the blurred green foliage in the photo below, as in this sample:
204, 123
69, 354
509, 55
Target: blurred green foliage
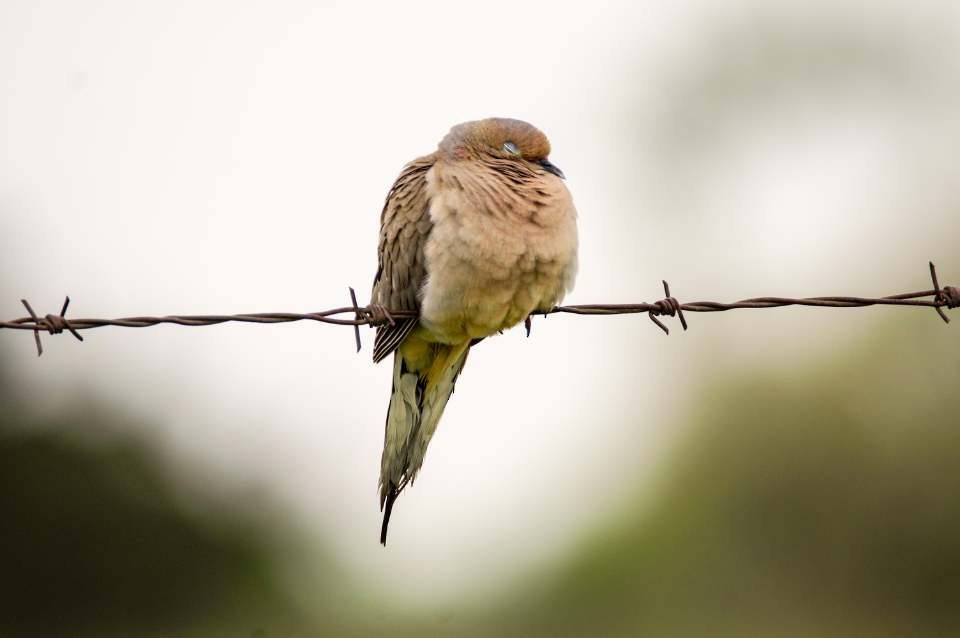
99, 540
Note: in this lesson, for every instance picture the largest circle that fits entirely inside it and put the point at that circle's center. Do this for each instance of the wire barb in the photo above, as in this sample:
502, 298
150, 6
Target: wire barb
360, 317
54, 324
938, 298
668, 306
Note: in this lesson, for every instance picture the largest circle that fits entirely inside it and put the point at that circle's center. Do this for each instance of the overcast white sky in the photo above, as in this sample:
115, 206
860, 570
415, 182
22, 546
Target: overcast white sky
219, 157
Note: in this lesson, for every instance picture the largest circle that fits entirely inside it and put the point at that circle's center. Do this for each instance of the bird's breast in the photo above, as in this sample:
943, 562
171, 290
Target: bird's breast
495, 254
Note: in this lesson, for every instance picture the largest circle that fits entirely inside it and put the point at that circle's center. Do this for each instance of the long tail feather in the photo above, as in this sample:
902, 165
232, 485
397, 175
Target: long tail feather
392, 495
424, 375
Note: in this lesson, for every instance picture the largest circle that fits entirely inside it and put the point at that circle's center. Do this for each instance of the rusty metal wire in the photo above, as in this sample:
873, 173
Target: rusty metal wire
374, 315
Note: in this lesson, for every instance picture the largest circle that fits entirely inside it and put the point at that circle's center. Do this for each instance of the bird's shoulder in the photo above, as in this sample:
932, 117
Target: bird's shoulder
409, 191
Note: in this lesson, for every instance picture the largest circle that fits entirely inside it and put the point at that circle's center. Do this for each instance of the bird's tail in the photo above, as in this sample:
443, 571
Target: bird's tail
424, 374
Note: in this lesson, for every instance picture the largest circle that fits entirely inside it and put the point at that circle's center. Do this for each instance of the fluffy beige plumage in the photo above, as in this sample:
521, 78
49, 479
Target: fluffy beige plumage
475, 237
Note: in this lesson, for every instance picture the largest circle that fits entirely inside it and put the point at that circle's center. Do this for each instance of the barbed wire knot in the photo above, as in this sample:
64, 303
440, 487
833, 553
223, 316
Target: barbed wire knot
669, 307
947, 296
53, 324
950, 297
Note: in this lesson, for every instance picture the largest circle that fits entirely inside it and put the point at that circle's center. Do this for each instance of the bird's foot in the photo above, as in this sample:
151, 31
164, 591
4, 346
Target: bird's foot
379, 315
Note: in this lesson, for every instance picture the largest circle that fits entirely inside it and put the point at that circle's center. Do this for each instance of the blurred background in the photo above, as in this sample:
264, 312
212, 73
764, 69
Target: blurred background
785, 473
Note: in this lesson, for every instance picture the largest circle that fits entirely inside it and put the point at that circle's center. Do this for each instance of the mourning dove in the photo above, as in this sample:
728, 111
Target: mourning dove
474, 237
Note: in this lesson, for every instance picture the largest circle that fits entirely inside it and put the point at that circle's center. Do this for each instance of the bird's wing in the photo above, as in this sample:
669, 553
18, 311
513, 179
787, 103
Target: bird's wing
404, 226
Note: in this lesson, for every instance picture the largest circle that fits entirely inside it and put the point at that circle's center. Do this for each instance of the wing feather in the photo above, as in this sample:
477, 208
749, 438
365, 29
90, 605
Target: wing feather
404, 227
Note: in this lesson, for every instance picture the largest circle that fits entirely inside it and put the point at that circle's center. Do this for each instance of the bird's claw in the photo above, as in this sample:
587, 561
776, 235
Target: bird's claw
379, 314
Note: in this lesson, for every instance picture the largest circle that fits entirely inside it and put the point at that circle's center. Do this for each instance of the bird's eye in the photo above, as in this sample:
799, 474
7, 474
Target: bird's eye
511, 148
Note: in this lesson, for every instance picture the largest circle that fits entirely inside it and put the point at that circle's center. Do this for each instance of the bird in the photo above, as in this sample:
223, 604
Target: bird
474, 238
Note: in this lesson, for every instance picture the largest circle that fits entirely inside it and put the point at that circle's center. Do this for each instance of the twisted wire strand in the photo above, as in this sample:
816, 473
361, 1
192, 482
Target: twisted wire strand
375, 315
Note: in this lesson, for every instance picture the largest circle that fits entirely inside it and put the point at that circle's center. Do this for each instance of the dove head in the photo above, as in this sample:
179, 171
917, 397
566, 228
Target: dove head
502, 138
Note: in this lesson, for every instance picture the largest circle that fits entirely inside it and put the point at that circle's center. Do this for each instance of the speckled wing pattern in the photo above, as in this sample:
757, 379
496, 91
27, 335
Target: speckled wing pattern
404, 227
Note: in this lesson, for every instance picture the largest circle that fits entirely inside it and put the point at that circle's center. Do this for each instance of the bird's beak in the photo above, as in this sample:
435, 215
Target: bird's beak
550, 168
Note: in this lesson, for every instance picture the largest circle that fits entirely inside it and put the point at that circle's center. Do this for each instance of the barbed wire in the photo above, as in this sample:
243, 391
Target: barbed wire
375, 315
